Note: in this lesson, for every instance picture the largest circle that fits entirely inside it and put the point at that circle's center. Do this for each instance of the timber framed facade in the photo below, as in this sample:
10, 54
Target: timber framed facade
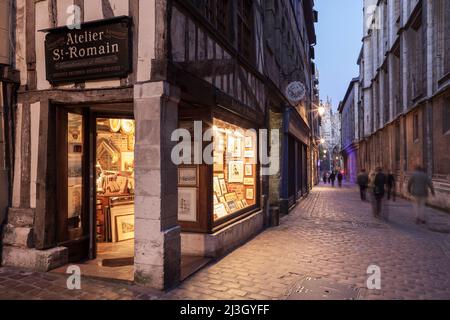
85, 139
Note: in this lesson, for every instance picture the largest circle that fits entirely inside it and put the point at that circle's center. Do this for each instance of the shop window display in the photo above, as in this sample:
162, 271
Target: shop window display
235, 170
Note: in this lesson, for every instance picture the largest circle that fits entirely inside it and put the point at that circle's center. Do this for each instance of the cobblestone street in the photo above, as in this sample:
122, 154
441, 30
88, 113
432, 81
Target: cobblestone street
330, 236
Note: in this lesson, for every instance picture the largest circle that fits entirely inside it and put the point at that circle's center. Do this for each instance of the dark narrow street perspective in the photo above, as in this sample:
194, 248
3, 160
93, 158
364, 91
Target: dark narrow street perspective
269, 152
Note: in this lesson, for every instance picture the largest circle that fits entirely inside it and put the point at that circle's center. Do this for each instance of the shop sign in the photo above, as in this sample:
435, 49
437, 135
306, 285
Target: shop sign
100, 49
295, 91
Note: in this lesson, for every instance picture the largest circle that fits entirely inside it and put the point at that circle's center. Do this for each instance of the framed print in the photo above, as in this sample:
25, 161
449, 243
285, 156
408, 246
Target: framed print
218, 162
232, 206
74, 201
222, 200
249, 182
223, 186
249, 142
187, 204
249, 194
126, 161
234, 146
216, 199
187, 176
217, 186
220, 210
236, 171
221, 176
239, 205
219, 142
248, 170
244, 203
125, 227
231, 197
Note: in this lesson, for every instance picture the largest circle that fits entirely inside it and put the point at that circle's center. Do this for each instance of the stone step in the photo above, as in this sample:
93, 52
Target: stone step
39, 260
18, 236
19, 217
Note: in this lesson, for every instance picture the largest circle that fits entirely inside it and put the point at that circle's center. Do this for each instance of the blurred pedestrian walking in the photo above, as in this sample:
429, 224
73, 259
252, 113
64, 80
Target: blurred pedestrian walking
379, 183
363, 182
391, 186
418, 186
332, 178
325, 178
340, 177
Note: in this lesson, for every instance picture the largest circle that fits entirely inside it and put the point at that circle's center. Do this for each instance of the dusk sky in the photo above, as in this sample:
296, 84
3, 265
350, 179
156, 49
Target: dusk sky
339, 34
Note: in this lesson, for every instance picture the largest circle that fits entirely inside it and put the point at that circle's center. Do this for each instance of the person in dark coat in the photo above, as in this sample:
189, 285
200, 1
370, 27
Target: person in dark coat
363, 182
379, 183
325, 178
390, 186
340, 177
332, 178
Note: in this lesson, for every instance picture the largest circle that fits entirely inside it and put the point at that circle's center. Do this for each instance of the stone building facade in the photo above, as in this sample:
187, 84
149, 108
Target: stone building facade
331, 132
404, 82
349, 111
155, 66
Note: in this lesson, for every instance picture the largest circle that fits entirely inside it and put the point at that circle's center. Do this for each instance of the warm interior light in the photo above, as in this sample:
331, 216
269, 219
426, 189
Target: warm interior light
321, 111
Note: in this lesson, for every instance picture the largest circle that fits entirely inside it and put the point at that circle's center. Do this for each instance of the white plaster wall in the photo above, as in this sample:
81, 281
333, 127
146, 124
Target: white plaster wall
42, 22
17, 158
146, 41
120, 7
35, 109
61, 11
93, 10
21, 64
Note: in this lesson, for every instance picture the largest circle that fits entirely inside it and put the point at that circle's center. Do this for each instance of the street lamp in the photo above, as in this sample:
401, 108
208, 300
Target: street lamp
321, 110
322, 141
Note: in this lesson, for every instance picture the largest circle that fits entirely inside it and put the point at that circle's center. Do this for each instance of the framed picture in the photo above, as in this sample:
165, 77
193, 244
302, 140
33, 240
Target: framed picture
216, 199
74, 203
222, 200
187, 204
219, 142
126, 161
221, 176
220, 210
249, 142
239, 205
223, 186
187, 176
231, 197
248, 170
236, 171
249, 194
234, 146
232, 206
217, 187
127, 126
125, 227
249, 182
244, 203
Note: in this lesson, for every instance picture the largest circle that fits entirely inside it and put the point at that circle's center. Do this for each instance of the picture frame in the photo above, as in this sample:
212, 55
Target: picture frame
248, 142
125, 227
221, 176
249, 181
220, 210
249, 194
248, 171
187, 204
218, 163
236, 171
188, 176
249, 154
245, 203
232, 206
217, 186
231, 196
234, 146
127, 161
114, 125
216, 199
222, 200
223, 186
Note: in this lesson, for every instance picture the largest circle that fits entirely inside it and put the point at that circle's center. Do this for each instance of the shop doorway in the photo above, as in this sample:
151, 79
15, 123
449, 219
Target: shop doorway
95, 192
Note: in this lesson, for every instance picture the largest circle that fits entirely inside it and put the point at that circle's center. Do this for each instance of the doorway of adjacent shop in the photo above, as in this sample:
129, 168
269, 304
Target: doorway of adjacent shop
95, 197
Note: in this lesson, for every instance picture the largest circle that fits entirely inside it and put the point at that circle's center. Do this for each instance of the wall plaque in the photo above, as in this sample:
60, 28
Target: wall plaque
100, 49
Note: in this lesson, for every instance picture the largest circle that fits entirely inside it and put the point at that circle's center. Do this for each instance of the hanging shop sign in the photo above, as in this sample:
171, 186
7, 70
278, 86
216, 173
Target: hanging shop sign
100, 49
295, 91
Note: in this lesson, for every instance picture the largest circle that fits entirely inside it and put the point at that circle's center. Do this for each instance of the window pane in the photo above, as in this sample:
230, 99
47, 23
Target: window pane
75, 175
235, 152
